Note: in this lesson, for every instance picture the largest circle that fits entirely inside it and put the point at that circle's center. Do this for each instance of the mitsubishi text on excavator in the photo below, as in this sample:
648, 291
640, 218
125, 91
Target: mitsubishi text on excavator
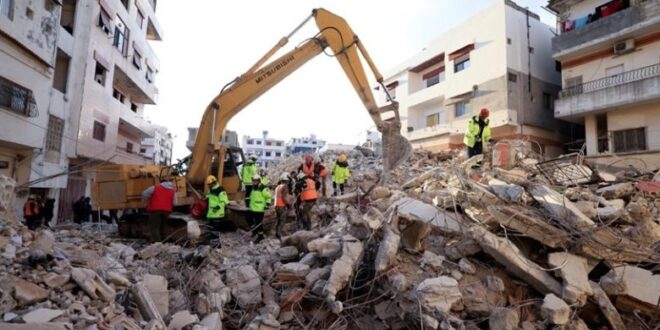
119, 186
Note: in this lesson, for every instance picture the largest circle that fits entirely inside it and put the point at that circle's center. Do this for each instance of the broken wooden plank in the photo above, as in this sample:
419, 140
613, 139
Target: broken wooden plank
611, 314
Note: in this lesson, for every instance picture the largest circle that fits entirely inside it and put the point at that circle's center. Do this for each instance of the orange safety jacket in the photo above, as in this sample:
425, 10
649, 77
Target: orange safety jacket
309, 192
308, 170
279, 196
30, 208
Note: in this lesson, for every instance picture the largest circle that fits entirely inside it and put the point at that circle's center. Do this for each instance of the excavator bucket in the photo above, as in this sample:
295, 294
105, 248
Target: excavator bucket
396, 148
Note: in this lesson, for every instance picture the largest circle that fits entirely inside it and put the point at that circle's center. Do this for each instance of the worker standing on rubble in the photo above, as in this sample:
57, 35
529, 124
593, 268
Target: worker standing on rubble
264, 177
340, 174
307, 194
282, 201
478, 131
307, 167
320, 174
217, 200
247, 172
32, 213
160, 200
258, 201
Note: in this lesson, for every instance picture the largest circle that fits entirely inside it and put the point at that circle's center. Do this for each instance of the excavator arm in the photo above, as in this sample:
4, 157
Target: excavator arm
346, 47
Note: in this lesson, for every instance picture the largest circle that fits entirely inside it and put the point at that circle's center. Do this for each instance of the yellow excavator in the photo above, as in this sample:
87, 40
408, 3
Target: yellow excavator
119, 186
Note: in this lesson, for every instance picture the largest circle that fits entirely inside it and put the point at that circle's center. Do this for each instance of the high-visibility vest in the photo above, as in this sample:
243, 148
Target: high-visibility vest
217, 202
473, 130
308, 170
161, 199
29, 207
279, 196
309, 192
247, 172
340, 173
259, 199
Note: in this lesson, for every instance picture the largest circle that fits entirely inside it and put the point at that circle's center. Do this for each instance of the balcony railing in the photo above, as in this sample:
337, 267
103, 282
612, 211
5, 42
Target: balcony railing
615, 80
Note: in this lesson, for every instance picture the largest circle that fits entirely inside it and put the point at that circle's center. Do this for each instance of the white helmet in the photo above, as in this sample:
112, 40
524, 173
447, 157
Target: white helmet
256, 177
284, 177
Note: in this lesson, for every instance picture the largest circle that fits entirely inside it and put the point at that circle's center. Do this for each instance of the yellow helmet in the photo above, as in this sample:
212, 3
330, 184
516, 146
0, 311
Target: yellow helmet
211, 179
343, 158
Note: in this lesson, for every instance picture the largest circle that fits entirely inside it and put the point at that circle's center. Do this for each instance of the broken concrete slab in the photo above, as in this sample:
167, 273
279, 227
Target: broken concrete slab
342, 269
555, 310
439, 295
245, 285
462, 248
389, 246
506, 191
560, 207
413, 236
27, 293
92, 284
433, 260
529, 224
292, 272
419, 180
212, 321
53, 280
157, 287
616, 191
145, 303
380, 192
264, 322
634, 288
42, 315
317, 274
574, 271
506, 253
288, 253
611, 314
466, 266
504, 319
325, 247
182, 319
442, 221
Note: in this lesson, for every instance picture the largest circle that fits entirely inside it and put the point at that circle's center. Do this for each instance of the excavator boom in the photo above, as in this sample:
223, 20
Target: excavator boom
346, 47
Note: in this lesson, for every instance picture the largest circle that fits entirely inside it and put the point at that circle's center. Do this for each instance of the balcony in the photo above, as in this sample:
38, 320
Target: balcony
601, 30
631, 87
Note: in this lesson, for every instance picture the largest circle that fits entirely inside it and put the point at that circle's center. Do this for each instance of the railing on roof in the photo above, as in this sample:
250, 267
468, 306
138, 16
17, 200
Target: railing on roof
614, 80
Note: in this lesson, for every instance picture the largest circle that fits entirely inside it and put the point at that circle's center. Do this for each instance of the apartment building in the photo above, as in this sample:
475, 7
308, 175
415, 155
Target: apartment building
309, 144
267, 150
229, 138
500, 59
610, 59
34, 143
103, 47
158, 149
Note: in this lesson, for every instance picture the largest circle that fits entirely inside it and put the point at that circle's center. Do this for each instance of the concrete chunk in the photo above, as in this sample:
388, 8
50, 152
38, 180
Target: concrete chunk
93, 284
288, 253
555, 310
635, 288
439, 295
157, 287
182, 319
42, 315
342, 270
212, 321
606, 307
27, 293
573, 270
560, 207
504, 319
245, 285
416, 210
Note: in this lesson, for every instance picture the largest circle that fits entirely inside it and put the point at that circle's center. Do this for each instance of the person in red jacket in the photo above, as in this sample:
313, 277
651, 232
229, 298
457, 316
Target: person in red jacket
160, 200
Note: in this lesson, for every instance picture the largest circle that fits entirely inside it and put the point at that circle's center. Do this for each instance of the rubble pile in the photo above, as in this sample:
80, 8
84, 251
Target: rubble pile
448, 243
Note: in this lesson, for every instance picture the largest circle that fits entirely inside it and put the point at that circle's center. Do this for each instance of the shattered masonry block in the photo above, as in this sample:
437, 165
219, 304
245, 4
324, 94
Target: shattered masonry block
439, 295
573, 270
555, 310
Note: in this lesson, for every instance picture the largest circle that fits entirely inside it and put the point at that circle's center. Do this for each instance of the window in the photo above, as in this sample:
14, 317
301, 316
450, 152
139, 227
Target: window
258, 142
140, 18
54, 133
434, 77
120, 40
250, 141
99, 131
278, 154
61, 77
391, 89
548, 102
279, 144
15, 98
573, 82
137, 59
149, 75
614, 73
461, 109
630, 139
531, 50
104, 21
268, 143
462, 63
557, 66
134, 107
7, 8
118, 95
68, 15
125, 3
129, 147
99, 74
513, 77
268, 153
143, 150
432, 120
508, 41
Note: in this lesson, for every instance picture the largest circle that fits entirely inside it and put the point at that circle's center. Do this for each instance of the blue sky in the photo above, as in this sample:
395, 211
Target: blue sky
211, 42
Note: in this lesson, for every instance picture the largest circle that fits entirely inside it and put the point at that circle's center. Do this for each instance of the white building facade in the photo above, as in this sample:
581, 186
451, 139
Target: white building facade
159, 147
267, 150
492, 60
610, 59
309, 144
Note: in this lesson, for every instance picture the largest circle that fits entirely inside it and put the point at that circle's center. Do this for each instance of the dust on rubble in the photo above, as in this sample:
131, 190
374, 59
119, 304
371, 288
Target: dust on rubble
447, 243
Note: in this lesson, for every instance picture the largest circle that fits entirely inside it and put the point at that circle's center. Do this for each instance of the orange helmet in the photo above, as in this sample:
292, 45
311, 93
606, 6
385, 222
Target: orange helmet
484, 113
309, 158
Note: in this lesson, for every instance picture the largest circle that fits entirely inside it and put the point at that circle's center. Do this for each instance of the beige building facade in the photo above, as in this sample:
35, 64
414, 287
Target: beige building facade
492, 60
610, 57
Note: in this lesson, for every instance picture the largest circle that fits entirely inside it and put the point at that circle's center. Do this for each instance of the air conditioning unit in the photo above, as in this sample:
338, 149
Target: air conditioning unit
624, 46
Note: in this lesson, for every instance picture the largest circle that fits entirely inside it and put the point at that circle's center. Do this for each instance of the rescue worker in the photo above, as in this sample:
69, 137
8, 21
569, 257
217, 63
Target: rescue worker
307, 166
32, 213
249, 170
282, 201
320, 174
48, 211
259, 201
478, 132
306, 190
160, 200
264, 177
217, 200
340, 174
